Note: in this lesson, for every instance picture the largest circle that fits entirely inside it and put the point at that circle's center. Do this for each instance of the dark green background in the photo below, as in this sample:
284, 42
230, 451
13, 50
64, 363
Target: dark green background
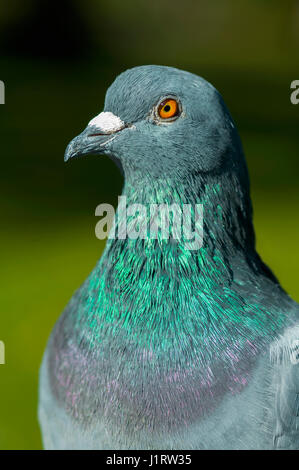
56, 61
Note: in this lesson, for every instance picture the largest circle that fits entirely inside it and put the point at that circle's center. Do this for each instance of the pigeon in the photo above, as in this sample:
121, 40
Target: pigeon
167, 346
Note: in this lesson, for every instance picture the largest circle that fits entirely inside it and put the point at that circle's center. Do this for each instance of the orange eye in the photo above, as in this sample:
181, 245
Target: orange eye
168, 108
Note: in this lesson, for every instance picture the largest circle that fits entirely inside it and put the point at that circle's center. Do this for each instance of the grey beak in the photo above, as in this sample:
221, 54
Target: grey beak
89, 141
94, 138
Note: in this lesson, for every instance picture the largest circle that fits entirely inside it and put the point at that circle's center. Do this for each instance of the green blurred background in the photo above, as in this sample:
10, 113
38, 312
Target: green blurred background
56, 60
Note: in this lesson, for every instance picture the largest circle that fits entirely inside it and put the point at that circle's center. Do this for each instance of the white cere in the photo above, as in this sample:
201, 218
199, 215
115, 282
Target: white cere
107, 122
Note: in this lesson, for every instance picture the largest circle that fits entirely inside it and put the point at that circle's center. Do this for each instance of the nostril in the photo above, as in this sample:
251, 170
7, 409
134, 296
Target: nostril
125, 126
94, 135
105, 133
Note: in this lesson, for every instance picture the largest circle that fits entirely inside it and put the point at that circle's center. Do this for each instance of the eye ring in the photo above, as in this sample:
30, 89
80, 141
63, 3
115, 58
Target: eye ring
169, 109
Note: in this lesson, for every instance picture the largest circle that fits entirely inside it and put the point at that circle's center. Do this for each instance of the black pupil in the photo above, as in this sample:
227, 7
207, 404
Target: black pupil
167, 108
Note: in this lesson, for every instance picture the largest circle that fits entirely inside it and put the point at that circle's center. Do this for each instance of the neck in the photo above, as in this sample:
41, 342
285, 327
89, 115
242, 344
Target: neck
149, 279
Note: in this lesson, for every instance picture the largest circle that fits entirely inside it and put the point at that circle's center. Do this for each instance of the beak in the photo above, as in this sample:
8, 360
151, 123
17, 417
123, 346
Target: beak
98, 133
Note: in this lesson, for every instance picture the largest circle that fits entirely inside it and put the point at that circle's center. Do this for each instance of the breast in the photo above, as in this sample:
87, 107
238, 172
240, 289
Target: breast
102, 413
129, 388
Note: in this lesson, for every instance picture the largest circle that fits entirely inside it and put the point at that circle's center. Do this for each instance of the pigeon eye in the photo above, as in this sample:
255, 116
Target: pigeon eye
169, 108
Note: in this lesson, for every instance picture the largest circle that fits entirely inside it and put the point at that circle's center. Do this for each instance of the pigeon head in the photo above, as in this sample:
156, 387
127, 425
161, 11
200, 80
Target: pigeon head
173, 137
163, 122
